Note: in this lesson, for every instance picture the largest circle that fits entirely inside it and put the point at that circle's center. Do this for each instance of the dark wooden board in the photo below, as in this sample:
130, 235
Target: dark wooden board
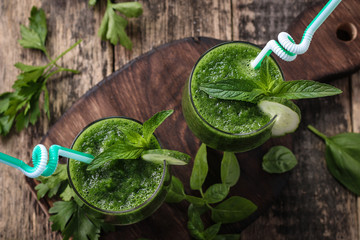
143, 87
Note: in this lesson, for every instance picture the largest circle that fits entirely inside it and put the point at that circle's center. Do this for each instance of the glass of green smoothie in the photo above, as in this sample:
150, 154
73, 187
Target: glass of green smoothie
227, 125
125, 191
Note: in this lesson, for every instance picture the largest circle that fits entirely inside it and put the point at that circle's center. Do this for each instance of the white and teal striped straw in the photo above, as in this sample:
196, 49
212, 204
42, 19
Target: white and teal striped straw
44, 165
286, 48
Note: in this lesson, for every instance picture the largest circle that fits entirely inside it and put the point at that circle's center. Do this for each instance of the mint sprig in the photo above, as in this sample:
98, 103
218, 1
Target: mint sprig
255, 90
135, 146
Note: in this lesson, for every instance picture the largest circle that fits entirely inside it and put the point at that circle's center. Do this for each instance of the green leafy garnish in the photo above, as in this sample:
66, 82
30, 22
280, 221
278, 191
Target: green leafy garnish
53, 185
113, 25
77, 221
279, 159
170, 156
135, 146
228, 210
22, 107
343, 158
255, 90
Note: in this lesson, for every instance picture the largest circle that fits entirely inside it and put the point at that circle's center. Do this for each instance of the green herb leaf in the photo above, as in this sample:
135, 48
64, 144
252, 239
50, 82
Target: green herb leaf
134, 138
113, 28
79, 222
35, 35
176, 192
197, 201
54, 184
170, 156
195, 224
232, 210
67, 194
342, 158
129, 9
300, 89
200, 169
216, 193
119, 150
230, 169
154, 122
279, 159
92, 2
234, 89
211, 231
265, 81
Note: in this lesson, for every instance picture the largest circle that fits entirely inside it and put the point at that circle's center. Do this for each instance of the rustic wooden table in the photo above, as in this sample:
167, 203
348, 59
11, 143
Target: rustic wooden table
313, 205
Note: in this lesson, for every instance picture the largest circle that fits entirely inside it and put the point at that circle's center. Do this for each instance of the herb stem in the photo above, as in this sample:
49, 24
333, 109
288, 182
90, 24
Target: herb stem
317, 132
53, 62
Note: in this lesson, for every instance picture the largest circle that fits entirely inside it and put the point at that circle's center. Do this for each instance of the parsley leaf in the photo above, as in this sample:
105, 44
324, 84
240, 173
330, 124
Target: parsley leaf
113, 25
34, 36
77, 221
55, 184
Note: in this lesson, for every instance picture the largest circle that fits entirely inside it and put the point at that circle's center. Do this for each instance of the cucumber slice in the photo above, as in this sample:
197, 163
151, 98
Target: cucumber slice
170, 156
288, 115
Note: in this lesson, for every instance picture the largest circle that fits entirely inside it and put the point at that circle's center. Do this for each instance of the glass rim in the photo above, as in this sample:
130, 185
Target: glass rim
271, 121
165, 168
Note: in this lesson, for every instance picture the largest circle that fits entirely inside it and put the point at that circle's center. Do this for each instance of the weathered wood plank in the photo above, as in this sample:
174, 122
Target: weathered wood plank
165, 21
20, 215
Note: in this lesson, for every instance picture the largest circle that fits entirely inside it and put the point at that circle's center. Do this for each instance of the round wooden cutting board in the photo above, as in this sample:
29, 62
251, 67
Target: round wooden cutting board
154, 82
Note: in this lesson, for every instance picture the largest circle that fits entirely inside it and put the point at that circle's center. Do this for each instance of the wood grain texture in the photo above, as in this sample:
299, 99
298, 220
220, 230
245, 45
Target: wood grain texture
164, 20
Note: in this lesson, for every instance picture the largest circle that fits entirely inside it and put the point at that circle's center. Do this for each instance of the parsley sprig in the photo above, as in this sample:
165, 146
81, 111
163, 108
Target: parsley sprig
255, 90
22, 106
113, 25
70, 216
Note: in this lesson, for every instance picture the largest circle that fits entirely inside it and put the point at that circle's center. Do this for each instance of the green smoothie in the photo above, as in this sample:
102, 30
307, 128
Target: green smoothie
120, 187
224, 124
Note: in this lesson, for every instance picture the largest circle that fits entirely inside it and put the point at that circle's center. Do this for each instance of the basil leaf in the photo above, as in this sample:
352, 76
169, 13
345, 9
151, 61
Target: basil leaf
342, 158
211, 231
232, 210
230, 169
195, 224
154, 122
200, 169
216, 193
279, 159
195, 200
234, 89
120, 150
176, 192
300, 89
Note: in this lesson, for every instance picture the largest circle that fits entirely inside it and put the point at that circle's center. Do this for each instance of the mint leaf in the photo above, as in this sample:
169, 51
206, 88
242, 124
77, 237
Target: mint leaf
200, 169
176, 192
342, 158
300, 89
230, 169
232, 210
154, 122
216, 193
279, 159
119, 150
34, 36
170, 156
265, 80
234, 89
